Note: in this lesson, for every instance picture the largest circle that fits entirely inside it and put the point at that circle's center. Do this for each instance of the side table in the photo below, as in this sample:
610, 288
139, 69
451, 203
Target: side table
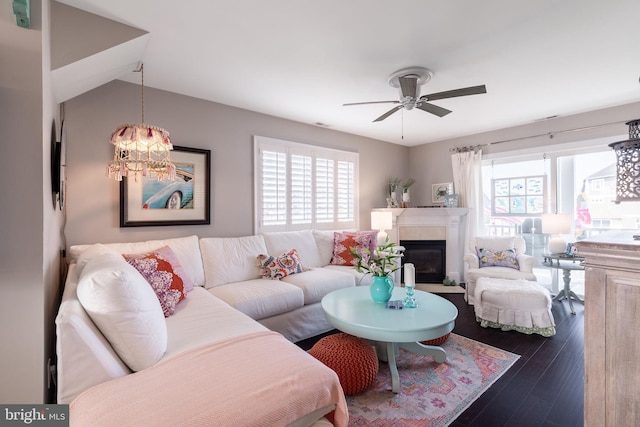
566, 263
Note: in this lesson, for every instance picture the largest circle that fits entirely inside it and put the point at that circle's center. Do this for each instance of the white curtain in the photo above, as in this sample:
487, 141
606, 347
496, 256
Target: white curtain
467, 181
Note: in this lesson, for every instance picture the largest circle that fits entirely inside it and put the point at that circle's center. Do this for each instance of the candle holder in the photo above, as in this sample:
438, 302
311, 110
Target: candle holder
409, 300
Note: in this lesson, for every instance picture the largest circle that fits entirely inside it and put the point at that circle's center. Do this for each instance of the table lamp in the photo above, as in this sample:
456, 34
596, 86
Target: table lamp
381, 220
555, 225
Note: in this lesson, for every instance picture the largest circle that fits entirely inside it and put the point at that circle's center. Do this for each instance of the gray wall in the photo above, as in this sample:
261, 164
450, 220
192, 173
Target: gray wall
93, 199
29, 248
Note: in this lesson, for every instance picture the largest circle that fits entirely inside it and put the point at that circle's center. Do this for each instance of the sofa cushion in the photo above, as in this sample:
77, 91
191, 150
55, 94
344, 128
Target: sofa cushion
231, 259
303, 241
203, 318
125, 309
187, 250
260, 298
164, 273
324, 241
277, 267
344, 241
318, 282
84, 356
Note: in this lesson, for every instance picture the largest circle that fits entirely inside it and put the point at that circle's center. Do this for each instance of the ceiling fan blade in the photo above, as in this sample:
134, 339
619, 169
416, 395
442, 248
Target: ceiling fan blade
370, 102
408, 86
473, 90
433, 109
388, 113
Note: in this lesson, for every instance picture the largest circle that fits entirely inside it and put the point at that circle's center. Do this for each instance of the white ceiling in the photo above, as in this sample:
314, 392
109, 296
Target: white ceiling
302, 60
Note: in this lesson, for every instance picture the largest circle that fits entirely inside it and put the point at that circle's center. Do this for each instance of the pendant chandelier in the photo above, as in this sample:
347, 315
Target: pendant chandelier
141, 149
628, 165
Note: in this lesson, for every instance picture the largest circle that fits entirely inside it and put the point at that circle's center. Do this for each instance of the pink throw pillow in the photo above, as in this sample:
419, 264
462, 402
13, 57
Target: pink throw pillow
344, 241
157, 269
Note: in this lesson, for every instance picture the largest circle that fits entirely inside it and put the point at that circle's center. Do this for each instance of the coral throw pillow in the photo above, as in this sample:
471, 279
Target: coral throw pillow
276, 268
495, 258
344, 241
157, 269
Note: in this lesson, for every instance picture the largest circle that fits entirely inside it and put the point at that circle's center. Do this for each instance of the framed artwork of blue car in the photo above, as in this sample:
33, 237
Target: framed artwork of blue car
145, 201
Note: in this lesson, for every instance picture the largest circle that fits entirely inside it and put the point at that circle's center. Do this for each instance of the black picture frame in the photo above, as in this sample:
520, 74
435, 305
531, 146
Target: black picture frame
58, 147
193, 166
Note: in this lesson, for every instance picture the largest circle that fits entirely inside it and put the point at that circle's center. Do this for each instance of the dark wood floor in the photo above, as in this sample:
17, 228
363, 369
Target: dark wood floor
545, 387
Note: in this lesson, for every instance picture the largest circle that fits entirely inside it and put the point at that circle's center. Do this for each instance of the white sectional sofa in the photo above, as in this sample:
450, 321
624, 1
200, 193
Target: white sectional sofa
100, 336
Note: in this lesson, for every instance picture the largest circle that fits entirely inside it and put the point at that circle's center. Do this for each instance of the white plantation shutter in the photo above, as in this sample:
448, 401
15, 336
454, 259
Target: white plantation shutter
345, 186
324, 190
301, 189
274, 188
300, 186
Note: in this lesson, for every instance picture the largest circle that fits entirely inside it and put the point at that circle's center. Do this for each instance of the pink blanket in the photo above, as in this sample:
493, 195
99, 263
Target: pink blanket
259, 379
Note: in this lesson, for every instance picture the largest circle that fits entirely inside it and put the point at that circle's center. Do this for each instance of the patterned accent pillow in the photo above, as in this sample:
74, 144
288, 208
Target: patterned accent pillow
275, 268
159, 271
498, 258
344, 241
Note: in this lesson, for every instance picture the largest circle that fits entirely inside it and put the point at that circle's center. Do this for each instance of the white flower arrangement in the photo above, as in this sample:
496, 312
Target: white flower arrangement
381, 262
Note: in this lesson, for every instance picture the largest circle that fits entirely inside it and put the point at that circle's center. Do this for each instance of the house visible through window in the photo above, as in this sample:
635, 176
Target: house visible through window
299, 186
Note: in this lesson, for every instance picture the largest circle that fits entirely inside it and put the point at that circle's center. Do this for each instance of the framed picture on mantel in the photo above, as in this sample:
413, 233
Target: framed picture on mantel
451, 201
439, 191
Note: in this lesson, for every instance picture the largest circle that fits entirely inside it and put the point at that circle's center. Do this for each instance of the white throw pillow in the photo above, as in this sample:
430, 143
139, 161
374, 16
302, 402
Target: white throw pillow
231, 259
126, 310
303, 241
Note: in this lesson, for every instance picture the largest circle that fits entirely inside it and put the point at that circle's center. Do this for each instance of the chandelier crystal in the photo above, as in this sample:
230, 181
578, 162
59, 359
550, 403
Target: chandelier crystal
141, 149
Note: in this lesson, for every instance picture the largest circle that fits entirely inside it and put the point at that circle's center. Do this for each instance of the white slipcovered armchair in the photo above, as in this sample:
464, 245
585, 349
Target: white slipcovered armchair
495, 267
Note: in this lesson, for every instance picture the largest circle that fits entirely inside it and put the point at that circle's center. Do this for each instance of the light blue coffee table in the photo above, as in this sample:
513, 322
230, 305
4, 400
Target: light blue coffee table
352, 310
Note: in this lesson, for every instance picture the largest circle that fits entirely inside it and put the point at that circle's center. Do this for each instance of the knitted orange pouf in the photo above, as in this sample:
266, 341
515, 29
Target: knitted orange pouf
355, 361
437, 341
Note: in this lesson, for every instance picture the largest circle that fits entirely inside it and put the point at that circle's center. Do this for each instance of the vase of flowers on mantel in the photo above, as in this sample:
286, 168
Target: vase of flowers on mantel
406, 197
392, 194
381, 263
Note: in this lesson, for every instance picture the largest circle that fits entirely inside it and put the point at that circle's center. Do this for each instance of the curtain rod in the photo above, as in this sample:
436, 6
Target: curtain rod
549, 134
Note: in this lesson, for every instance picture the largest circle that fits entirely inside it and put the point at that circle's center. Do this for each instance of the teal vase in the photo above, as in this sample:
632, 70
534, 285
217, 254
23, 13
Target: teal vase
381, 288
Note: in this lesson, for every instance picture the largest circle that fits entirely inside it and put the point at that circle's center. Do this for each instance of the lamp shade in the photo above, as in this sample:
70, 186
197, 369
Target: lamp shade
381, 220
556, 223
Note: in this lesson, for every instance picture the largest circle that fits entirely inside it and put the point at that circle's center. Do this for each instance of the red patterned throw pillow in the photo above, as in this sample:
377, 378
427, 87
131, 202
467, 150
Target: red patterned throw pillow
157, 269
344, 241
276, 268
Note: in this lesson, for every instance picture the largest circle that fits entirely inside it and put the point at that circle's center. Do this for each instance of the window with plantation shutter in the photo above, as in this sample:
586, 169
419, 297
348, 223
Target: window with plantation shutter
299, 186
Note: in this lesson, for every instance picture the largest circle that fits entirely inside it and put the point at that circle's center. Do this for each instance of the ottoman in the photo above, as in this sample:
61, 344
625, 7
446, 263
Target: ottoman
514, 304
355, 361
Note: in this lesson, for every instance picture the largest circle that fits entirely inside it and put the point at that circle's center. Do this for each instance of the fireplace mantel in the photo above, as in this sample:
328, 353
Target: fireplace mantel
447, 224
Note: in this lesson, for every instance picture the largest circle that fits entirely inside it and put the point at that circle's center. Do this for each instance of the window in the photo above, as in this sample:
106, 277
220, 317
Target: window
300, 186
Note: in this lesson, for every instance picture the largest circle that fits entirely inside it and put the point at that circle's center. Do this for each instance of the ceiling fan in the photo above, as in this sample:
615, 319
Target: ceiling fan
409, 80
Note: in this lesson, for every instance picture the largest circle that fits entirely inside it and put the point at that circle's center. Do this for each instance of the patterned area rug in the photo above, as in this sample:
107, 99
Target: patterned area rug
431, 394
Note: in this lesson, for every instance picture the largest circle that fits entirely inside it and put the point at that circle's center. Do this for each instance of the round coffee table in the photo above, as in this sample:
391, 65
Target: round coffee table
352, 310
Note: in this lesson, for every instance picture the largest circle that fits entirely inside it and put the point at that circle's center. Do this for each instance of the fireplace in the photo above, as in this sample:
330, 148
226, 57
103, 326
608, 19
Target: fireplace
428, 257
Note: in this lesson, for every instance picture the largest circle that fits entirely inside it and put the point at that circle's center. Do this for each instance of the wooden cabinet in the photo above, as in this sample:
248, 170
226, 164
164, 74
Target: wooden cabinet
612, 330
